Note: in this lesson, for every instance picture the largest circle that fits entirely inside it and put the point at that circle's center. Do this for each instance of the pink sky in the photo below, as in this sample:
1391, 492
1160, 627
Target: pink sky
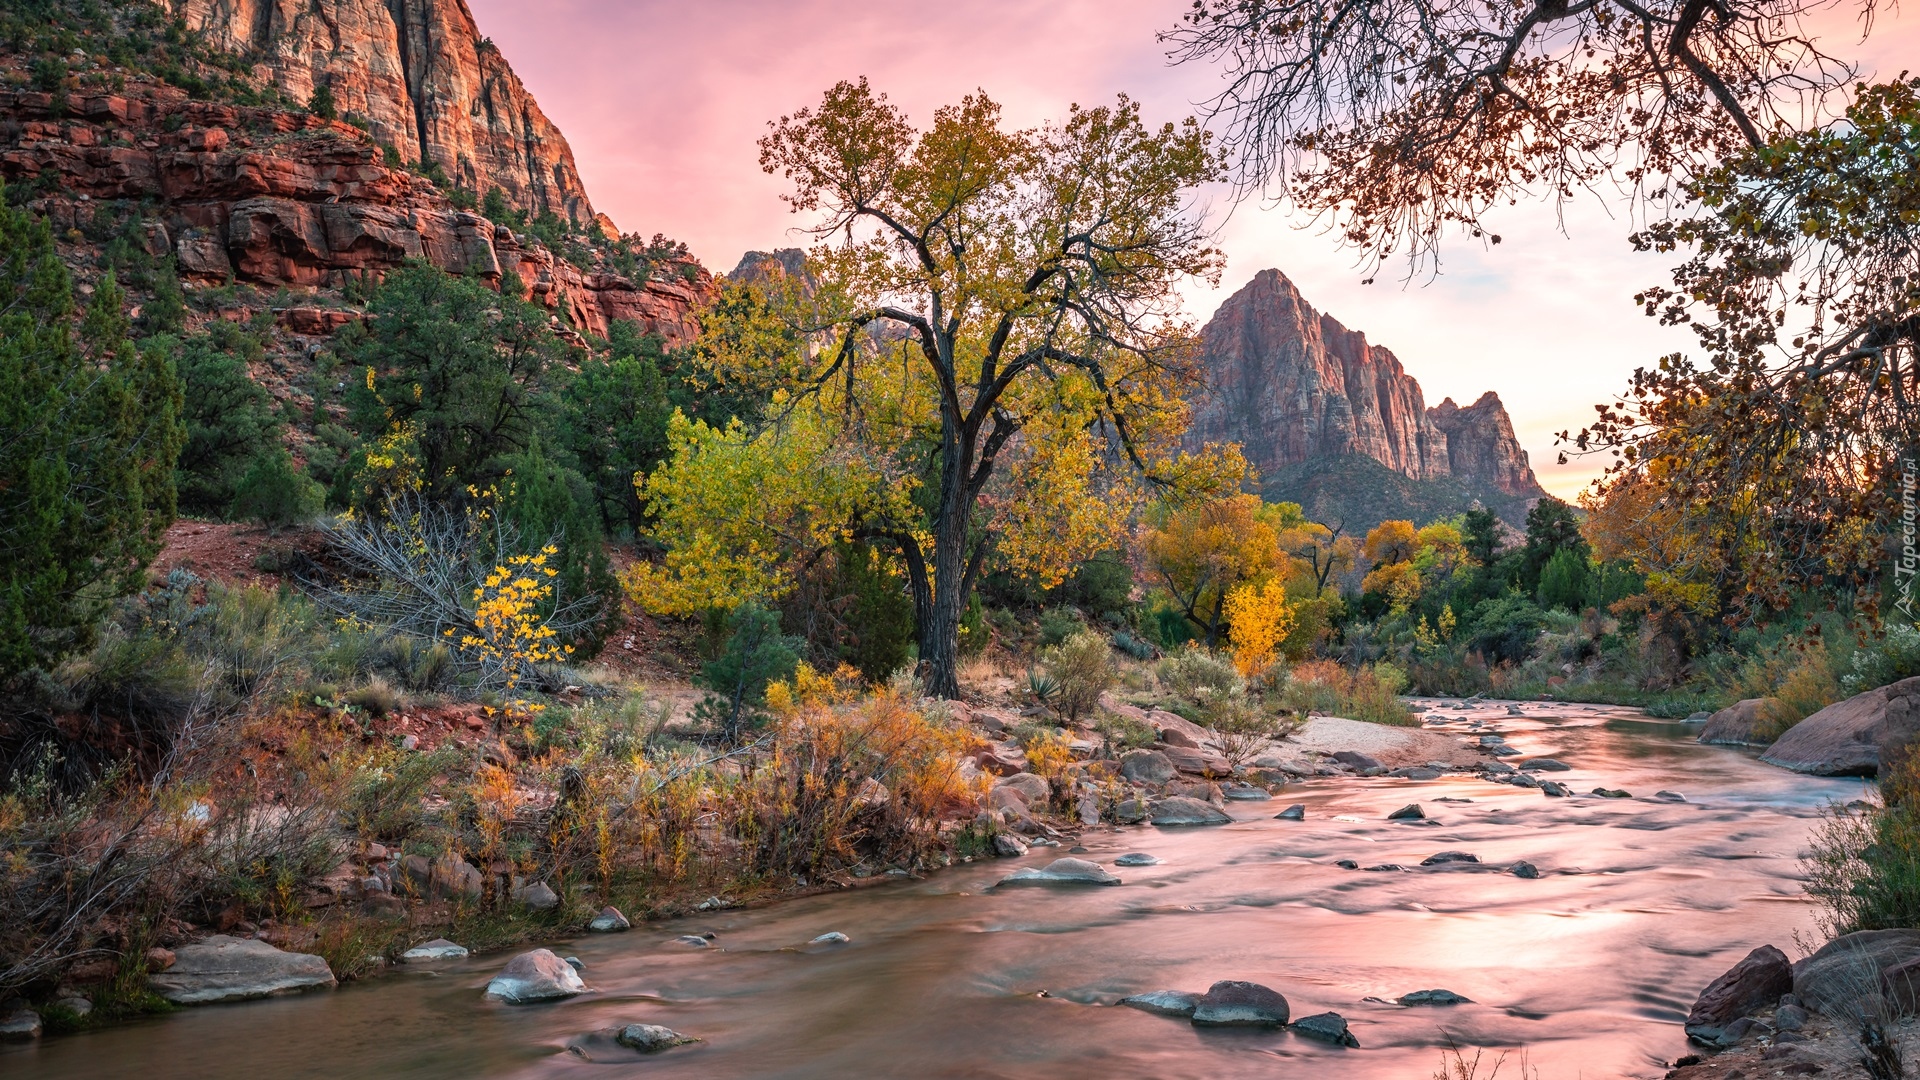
663, 102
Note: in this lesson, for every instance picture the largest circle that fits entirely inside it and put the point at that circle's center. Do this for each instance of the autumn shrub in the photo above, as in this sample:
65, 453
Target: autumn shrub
1369, 693
1083, 666
1797, 675
1863, 862
1243, 725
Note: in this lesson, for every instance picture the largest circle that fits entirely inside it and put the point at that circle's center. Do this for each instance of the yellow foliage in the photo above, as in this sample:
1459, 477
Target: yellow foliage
1399, 582
1392, 542
1203, 550
508, 631
1049, 755
1258, 619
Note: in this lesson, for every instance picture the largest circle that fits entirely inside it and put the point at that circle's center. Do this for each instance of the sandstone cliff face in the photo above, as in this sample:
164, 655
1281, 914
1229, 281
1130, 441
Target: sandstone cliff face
423, 78
1293, 386
1481, 445
278, 198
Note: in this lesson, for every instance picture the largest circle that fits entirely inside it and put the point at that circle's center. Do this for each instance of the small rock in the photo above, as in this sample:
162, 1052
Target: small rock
437, 949
1296, 812
1761, 977
1547, 764
1164, 1002
1442, 858
1032, 789
538, 975
1355, 760
1089, 809
1612, 793
1008, 846
1433, 997
1136, 858
1231, 1002
711, 903
1553, 789
1790, 1018
1068, 871
831, 937
75, 1004
1669, 796
1327, 1027
159, 959
1496, 768
536, 895
1521, 779
651, 1038
1417, 773
1695, 717
1247, 794
1409, 812
1524, 869
22, 1025
1386, 868
1146, 767
411, 742
1347, 864
576, 963
1130, 812
609, 921
693, 941
1180, 810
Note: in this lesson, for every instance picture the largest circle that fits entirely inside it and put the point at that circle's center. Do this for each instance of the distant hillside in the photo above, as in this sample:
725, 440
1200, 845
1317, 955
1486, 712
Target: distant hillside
1331, 420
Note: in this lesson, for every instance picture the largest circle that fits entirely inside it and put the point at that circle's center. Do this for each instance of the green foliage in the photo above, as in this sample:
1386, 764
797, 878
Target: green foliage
1893, 656
493, 206
231, 422
973, 635
1552, 527
1120, 734
546, 502
1504, 629
459, 366
879, 615
1058, 624
1193, 671
1566, 582
321, 103
1083, 667
613, 424
90, 432
756, 654
274, 492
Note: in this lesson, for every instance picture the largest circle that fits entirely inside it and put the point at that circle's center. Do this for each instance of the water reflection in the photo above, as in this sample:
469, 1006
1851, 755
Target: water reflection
1592, 966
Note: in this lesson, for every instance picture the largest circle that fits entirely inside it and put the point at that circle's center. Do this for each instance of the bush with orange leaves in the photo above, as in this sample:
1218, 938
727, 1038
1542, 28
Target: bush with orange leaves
846, 780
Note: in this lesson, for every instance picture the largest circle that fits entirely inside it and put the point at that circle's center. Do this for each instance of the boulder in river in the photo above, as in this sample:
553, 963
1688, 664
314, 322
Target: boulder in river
225, 968
1146, 767
1296, 812
1850, 967
1232, 1002
1130, 811
1136, 858
1756, 981
1547, 764
1752, 722
693, 941
538, 975
437, 949
1247, 794
1164, 1002
651, 1038
1848, 738
1409, 812
831, 937
1433, 997
1442, 858
1068, 871
1524, 869
1180, 810
609, 921
1612, 793
1327, 1027
1008, 846
1553, 789
1416, 772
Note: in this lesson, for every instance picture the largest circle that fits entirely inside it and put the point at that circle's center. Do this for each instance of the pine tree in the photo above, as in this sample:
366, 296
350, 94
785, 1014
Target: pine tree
89, 431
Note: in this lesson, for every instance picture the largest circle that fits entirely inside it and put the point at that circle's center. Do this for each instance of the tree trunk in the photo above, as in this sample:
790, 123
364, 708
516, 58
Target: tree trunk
940, 625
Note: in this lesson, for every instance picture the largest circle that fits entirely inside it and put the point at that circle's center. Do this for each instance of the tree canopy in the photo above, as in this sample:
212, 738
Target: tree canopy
985, 362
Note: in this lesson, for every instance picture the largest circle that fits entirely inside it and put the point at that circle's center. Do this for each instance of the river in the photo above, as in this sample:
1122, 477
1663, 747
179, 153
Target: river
1591, 967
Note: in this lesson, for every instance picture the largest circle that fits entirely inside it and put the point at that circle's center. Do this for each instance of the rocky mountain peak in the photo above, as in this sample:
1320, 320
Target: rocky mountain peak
1296, 388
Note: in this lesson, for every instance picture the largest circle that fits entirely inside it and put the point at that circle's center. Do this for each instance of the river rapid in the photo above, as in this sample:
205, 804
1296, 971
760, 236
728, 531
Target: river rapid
1591, 967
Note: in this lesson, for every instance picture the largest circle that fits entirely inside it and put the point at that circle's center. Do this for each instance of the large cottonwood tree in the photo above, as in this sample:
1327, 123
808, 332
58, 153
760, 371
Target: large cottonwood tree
984, 360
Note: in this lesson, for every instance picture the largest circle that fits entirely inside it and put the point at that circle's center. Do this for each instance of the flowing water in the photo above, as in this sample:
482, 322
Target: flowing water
1591, 967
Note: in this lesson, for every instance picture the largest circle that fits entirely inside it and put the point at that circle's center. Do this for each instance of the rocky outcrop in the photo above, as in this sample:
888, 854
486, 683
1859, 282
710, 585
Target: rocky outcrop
225, 968
1851, 737
1752, 722
280, 198
1482, 448
421, 78
1293, 386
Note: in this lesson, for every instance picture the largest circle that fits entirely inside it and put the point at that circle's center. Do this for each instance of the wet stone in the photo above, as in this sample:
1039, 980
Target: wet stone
1547, 764
651, 1038
1442, 858
831, 937
1296, 812
1164, 1002
1136, 858
1327, 1027
1554, 790
437, 949
1231, 1002
693, 941
1433, 997
1347, 864
1409, 812
1524, 870
1612, 793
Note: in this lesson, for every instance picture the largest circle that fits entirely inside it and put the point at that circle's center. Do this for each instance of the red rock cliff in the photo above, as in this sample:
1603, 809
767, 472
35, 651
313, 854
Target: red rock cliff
1291, 385
423, 79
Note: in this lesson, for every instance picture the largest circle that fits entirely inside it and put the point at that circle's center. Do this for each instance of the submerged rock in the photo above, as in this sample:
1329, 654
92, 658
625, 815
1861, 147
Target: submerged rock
1669, 796
1327, 1027
1136, 858
224, 968
1433, 997
1524, 869
831, 937
1612, 793
1233, 1003
1347, 864
1164, 1002
651, 1038
1756, 981
1247, 794
437, 949
1068, 871
1442, 858
1181, 810
538, 975
692, 941
1409, 812
1547, 764
1296, 812
1553, 789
